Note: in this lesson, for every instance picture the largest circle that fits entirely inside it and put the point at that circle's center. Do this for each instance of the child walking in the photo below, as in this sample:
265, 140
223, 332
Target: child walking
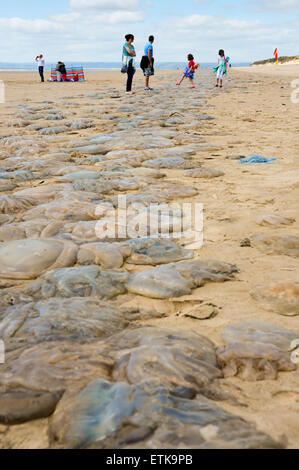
189, 71
221, 69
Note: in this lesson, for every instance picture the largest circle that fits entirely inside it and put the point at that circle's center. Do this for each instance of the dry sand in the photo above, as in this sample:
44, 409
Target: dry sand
257, 117
290, 69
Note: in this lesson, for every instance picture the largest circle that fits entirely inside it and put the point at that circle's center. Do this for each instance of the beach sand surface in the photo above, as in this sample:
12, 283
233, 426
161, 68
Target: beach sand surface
253, 114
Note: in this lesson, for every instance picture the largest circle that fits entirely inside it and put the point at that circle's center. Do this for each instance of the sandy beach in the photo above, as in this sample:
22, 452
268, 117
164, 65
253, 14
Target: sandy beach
209, 128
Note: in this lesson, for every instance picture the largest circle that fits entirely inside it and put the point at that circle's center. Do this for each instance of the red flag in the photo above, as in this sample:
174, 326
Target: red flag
276, 54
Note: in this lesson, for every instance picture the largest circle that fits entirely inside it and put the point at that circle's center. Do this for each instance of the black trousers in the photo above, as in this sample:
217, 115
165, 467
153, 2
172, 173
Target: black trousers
41, 72
131, 72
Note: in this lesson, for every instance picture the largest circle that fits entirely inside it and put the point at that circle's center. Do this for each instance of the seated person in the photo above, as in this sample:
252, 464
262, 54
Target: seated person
61, 72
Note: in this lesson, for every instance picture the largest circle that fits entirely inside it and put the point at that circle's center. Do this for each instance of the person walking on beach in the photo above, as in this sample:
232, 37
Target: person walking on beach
147, 62
128, 61
221, 69
189, 71
41, 64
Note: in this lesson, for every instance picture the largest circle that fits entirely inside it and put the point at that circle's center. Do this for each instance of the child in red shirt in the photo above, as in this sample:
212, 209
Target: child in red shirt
189, 71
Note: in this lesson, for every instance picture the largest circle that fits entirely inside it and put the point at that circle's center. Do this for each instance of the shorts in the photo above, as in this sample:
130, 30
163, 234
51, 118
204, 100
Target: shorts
189, 75
148, 71
220, 73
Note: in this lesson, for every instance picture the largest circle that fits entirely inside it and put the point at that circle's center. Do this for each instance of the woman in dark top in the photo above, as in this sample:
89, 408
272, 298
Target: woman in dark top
128, 60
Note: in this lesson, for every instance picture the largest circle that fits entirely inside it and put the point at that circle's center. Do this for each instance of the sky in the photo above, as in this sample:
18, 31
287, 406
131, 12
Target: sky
94, 30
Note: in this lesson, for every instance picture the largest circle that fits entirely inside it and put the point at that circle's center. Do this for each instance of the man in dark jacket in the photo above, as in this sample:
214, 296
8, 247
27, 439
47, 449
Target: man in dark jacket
61, 71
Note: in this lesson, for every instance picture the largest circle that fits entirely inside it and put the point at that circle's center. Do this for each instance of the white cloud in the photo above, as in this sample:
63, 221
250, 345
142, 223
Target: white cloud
97, 35
127, 5
29, 26
120, 17
283, 5
73, 35
66, 17
57, 22
242, 40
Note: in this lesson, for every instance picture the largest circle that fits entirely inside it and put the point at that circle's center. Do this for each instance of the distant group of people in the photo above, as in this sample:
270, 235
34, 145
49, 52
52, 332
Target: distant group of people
61, 72
146, 64
220, 70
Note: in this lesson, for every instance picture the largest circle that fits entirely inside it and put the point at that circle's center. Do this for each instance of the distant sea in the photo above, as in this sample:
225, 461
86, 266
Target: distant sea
103, 66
